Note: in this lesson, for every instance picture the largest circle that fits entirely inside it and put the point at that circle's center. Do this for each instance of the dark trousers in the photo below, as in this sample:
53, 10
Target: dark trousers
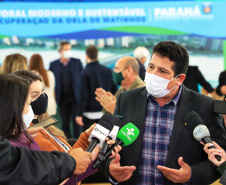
88, 122
67, 109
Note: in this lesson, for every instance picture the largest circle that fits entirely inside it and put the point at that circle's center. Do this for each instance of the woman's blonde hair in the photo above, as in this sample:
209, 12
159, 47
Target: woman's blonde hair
13, 63
52, 129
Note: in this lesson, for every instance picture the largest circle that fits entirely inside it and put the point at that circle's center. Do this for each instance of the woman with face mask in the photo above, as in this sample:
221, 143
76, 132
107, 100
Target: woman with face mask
51, 138
16, 112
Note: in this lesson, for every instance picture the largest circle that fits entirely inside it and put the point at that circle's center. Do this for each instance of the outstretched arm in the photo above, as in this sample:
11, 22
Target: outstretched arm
33, 167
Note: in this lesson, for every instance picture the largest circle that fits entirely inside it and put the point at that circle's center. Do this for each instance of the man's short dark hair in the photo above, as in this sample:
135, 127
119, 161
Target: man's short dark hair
92, 52
176, 53
61, 44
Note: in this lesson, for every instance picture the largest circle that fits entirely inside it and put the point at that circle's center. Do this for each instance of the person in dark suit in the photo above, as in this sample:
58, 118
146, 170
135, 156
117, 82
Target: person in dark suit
141, 53
165, 151
93, 76
67, 72
195, 77
221, 88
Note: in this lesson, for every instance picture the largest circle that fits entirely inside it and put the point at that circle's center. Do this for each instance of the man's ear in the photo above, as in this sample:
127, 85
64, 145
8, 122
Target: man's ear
181, 78
130, 70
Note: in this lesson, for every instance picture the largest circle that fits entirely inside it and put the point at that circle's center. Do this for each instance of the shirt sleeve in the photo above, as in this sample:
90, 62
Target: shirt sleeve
82, 141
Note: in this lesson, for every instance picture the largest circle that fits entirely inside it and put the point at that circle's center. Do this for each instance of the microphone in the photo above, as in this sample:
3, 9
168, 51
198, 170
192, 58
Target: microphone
126, 136
200, 131
100, 132
112, 136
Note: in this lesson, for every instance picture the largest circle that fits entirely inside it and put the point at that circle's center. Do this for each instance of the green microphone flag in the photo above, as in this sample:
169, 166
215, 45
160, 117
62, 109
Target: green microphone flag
128, 134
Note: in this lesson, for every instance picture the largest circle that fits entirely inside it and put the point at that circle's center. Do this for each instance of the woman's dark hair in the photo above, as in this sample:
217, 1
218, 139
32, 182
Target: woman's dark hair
13, 95
36, 63
28, 75
176, 53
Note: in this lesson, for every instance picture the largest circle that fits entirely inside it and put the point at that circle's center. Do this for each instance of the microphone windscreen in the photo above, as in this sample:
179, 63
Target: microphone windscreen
192, 119
128, 134
200, 132
108, 121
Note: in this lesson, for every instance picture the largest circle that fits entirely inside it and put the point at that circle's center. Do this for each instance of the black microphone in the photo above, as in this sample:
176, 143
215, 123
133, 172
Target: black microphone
100, 132
200, 131
111, 136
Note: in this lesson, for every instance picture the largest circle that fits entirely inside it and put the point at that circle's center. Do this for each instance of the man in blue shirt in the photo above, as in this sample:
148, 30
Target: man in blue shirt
165, 151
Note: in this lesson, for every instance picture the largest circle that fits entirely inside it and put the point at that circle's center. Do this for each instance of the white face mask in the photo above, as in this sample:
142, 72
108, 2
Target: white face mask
67, 54
157, 86
27, 118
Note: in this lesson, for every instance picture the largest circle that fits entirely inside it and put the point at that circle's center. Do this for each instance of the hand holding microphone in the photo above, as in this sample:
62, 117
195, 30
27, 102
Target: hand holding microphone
200, 131
111, 136
100, 132
212, 153
126, 136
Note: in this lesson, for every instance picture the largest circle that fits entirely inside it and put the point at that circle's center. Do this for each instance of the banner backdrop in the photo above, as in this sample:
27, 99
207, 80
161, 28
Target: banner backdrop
117, 28
102, 20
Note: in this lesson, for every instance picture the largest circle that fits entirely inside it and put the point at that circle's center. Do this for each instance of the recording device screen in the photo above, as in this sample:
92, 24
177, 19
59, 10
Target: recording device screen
220, 106
45, 123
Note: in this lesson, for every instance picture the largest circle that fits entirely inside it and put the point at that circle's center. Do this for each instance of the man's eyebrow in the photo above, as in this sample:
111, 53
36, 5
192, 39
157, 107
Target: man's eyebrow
164, 69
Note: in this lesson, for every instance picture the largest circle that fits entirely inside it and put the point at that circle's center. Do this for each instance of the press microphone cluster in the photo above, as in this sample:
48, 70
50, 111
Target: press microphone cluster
111, 136
200, 131
126, 136
100, 132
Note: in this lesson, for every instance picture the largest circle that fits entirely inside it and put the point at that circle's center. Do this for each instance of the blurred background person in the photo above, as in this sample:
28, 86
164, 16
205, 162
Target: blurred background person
126, 74
67, 75
93, 76
36, 65
194, 78
141, 53
13, 63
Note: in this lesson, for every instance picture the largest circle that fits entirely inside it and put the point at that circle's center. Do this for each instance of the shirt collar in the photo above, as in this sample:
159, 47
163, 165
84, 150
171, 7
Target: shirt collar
66, 63
93, 63
135, 82
174, 100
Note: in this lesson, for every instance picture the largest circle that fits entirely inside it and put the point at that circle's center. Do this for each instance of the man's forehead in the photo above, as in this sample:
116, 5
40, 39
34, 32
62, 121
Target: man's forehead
66, 46
120, 63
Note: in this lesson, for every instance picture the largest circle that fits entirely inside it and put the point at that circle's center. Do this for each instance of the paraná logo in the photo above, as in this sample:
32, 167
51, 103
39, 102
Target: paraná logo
207, 9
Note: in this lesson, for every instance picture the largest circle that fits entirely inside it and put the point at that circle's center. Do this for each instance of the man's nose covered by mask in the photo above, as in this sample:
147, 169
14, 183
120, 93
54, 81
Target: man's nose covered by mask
157, 86
67, 54
40, 105
117, 78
